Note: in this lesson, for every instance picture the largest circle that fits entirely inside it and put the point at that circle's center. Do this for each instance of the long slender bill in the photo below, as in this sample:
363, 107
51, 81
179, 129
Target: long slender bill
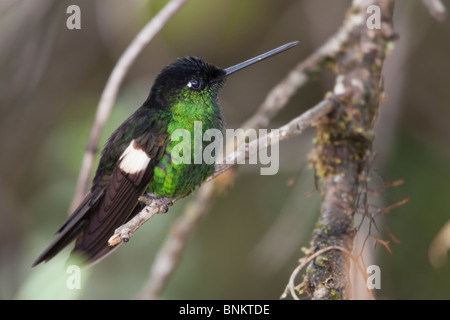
261, 57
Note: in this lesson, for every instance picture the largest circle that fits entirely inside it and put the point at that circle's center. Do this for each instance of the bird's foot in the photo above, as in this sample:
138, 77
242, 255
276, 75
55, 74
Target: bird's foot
151, 199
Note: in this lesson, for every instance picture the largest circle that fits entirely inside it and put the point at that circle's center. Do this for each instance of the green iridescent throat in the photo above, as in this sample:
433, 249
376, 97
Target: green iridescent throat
172, 179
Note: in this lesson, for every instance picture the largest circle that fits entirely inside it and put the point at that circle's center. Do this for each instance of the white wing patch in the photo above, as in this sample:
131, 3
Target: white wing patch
133, 159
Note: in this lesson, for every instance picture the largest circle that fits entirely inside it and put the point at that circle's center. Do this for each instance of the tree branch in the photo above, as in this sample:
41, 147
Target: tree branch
295, 127
344, 142
291, 129
436, 9
111, 89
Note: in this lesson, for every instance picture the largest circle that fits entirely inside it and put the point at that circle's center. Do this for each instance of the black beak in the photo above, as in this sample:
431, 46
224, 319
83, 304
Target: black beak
261, 57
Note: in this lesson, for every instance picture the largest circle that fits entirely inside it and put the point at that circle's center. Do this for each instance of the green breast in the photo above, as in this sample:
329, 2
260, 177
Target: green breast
174, 178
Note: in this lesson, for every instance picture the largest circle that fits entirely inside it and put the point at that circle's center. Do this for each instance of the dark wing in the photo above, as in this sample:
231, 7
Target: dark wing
106, 209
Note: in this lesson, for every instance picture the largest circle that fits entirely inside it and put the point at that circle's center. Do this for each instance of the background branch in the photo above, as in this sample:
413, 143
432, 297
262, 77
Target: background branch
245, 151
436, 8
112, 88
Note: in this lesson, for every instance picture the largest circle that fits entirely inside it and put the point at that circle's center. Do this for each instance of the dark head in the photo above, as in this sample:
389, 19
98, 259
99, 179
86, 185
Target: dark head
193, 80
188, 78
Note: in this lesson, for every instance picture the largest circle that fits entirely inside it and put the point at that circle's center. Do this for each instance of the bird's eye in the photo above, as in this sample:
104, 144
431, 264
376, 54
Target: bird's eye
194, 84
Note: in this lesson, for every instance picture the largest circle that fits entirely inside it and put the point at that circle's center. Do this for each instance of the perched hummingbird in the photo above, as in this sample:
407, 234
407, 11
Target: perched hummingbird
137, 156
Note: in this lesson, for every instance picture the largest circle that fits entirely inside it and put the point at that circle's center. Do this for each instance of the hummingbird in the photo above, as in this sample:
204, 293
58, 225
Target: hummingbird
136, 158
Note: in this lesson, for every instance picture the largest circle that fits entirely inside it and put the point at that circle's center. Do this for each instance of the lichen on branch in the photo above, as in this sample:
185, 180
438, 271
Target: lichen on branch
343, 143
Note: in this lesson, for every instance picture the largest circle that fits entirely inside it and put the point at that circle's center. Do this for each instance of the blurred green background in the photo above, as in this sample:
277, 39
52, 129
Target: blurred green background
249, 244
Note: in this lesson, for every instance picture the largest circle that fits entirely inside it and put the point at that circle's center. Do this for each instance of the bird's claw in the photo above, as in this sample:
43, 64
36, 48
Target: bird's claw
150, 199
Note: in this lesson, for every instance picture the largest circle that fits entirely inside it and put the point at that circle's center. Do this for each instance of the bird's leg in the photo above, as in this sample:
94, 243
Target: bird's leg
151, 199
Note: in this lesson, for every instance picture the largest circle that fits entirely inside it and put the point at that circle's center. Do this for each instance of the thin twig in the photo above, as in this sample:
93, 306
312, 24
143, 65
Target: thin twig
436, 9
293, 128
112, 87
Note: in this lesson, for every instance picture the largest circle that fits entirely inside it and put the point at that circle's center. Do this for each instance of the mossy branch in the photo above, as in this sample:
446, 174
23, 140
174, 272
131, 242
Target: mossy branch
344, 141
